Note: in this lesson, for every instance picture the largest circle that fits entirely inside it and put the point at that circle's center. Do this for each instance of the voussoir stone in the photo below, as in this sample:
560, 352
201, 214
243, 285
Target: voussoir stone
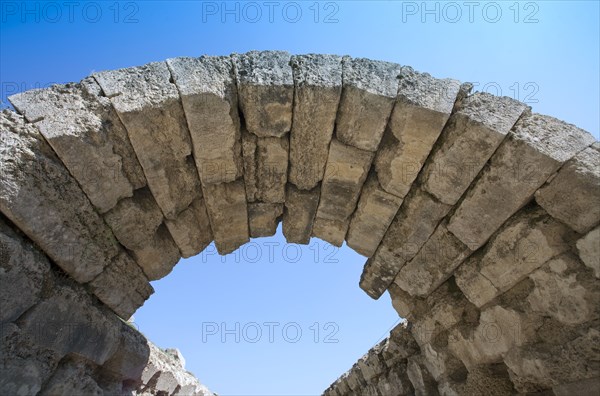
536, 148
157, 256
332, 231
86, 134
375, 211
423, 106
317, 91
573, 195
263, 218
149, 106
368, 96
266, 91
39, 195
299, 214
468, 140
191, 229
209, 97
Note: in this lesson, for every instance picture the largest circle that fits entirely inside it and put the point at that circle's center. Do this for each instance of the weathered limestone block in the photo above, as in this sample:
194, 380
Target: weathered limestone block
209, 97
157, 257
469, 139
317, 91
421, 111
371, 364
39, 196
420, 378
536, 148
435, 262
263, 218
524, 243
395, 381
346, 171
149, 107
332, 231
411, 228
401, 345
23, 271
299, 214
89, 139
375, 211
265, 167
130, 357
228, 214
355, 378
589, 250
74, 376
122, 286
573, 195
266, 91
368, 96
191, 229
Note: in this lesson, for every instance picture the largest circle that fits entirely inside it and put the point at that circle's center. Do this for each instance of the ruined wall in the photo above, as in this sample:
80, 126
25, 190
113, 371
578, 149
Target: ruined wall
477, 215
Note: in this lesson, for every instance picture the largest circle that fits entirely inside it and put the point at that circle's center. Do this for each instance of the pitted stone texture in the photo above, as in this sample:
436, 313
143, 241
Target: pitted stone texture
265, 167
375, 211
149, 107
435, 262
414, 223
317, 91
368, 96
536, 148
88, 137
299, 214
39, 196
228, 214
524, 243
131, 356
263, 218
332, 231
209, 97
266, 91
573, 195
159, 255
423, 107
589, 250
419, 376
191, 229
469, 139
122, 286
73, 377
346, 171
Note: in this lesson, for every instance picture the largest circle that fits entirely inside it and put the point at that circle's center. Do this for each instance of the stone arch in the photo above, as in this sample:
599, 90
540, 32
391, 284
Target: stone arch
479, 217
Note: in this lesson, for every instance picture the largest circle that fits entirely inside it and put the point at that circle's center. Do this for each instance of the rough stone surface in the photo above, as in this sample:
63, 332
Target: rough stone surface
39, 196
589, 250
375, 211
266, 91
423, 107
209, 96
263, 218
368, 96
299, 214
149, 107
228, 214
191, 229
332, 231
157, 257
469, 139
537, 146
317, 91
580, 179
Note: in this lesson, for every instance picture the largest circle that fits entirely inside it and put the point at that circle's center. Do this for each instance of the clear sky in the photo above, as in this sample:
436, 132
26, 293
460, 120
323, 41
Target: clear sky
545, 53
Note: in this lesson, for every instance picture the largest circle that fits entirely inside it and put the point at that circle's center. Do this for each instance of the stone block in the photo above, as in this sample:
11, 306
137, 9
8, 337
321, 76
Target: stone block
588, 248
159, 255
332, 231
299, 214
263, 218
191, 229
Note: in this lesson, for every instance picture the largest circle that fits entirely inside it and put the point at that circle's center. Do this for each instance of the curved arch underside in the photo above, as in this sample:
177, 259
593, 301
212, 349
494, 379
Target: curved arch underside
479, 217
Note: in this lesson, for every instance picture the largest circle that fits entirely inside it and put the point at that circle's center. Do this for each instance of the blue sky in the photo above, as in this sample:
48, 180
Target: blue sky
544, 53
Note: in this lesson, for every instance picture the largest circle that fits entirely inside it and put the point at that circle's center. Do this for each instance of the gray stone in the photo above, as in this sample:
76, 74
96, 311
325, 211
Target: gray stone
266, 91
300, 211
130, 357
423, 107
159, 255
368, 96
228, 214
263, 218
209, 97
39, 196
191, 229
265, 167
332, 231
414, 223
573, 195
536, 148
422, 382
122, 286
469, 139
589, 250
375, 211
149, 107
72, 377
317, 91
